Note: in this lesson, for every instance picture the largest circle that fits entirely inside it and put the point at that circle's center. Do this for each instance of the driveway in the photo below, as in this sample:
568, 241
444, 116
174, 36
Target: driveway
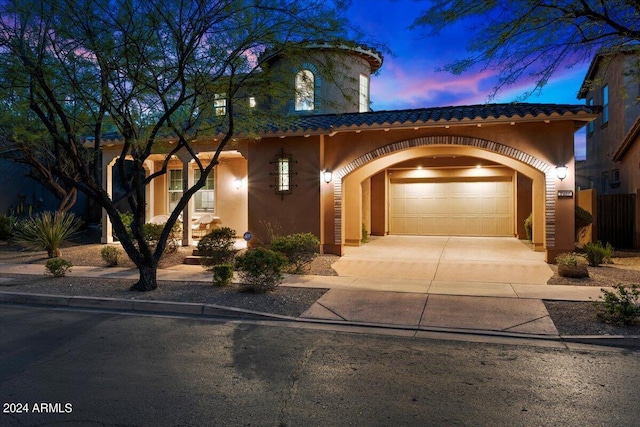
445, 260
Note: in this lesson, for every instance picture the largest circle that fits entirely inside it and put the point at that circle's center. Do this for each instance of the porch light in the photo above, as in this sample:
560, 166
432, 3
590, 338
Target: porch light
237, 183
561, 172
327, 176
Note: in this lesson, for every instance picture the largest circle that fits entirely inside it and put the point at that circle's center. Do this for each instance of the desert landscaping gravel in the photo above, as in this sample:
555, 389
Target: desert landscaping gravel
570, 318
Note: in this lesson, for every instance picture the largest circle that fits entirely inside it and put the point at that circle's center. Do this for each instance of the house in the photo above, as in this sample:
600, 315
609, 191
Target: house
477, 170
612, 81
612, 165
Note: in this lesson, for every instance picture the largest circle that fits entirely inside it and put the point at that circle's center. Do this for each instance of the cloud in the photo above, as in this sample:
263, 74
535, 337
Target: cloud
418, 85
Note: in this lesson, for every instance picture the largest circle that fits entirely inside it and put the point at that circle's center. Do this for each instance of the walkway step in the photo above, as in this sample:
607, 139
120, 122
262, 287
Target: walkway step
192, 260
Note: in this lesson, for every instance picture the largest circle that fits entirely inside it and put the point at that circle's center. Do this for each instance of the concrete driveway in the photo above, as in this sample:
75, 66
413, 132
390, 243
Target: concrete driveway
464, 283
442, 261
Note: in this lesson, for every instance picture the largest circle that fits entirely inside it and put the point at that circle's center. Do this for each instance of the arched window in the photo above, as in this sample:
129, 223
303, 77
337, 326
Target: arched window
305, 90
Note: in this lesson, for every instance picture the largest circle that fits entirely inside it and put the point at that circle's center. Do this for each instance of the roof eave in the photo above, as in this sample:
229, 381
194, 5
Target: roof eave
582, 117
627, 142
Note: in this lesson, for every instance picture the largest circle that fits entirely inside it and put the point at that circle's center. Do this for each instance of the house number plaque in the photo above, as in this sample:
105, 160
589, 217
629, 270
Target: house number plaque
565, 193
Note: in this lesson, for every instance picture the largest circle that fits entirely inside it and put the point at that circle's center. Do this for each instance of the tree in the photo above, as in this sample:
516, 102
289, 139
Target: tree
534, 38
149, 72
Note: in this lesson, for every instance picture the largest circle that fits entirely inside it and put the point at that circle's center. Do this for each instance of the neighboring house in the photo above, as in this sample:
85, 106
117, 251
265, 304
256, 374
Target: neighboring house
477, 170
22, 196
612, 81
612, 165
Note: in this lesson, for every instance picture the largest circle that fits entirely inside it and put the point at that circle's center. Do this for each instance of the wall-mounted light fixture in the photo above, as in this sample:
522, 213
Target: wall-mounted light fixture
327, 176
237, 183
561, 172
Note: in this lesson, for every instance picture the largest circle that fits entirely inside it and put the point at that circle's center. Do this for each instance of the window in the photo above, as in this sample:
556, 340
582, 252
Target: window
175, 188
252, 102
364, 93
284, 175
605, 105
220, 104
305, 91
205, 197
590, 124
615, 176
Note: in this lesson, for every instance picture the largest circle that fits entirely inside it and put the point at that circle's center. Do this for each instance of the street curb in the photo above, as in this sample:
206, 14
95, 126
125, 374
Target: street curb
141, 306
213, 310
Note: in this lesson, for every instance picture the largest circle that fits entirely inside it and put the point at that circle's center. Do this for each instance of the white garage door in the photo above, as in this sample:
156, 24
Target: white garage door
452, 208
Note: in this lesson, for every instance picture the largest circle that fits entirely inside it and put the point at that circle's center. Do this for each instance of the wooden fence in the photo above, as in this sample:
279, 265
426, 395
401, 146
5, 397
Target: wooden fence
615, 223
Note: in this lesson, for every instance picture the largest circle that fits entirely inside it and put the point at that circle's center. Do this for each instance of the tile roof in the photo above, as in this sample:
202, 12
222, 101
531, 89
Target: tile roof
442, 115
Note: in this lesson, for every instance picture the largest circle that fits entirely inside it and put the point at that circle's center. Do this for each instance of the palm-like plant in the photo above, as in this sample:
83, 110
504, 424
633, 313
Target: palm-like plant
47, 231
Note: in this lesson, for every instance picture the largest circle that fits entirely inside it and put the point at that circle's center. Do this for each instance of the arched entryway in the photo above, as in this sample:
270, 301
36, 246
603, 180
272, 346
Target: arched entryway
348, 179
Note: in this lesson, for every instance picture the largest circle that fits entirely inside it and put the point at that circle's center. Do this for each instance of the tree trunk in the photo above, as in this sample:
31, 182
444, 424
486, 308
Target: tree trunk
148, 279
68, 200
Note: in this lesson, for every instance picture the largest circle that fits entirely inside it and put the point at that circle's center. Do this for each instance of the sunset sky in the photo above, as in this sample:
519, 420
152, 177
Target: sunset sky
408, 77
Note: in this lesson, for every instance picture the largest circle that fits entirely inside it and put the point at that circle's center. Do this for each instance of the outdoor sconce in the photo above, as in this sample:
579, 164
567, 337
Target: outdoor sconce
561, 172
237, 183
327, 176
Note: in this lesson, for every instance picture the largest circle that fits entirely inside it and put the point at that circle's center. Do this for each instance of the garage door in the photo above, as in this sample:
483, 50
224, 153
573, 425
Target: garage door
452, 208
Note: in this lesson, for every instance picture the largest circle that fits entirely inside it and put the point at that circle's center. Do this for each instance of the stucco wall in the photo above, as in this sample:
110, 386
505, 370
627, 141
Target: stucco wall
337, 79
550, 142
298, 212
630, 169
231, 202
623, 111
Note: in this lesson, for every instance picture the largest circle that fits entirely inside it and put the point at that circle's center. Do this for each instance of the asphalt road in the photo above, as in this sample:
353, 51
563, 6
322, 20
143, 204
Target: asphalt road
94, 369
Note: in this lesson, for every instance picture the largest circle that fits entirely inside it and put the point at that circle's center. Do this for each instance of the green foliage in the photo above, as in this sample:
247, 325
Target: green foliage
110, 255
260, 269
619, 306
299, 249
152, 232
6, 227
222, 274
528, 226
58, 267
572, 265
521, 39
217, 247
597, 254
47, 231
583, 219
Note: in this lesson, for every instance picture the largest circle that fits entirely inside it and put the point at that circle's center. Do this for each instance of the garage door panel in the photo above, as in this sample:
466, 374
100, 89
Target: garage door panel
455, 208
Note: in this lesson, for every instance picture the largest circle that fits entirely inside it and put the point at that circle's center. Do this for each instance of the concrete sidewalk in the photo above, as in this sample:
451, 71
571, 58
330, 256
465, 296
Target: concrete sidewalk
414, 304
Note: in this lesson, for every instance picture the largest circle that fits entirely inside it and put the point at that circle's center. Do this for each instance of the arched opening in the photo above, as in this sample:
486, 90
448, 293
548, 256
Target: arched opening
305, 90
348, 189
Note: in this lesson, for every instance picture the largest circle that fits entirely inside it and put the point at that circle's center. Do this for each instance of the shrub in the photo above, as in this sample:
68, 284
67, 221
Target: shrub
260, 269
572, 265
58, 267
110, 255
583, 219
222, 274
6, 227
217, 247
365, 234
47, 231
528, 226
619, 306
597, 254
152, 232
299, 249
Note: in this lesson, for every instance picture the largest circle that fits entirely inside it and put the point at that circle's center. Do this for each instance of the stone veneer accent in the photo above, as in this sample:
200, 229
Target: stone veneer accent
495, 147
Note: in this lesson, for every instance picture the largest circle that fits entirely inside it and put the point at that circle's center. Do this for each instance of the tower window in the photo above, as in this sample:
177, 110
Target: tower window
305, 91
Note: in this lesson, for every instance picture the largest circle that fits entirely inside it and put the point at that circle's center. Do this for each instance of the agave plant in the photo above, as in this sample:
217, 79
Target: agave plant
47, 231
